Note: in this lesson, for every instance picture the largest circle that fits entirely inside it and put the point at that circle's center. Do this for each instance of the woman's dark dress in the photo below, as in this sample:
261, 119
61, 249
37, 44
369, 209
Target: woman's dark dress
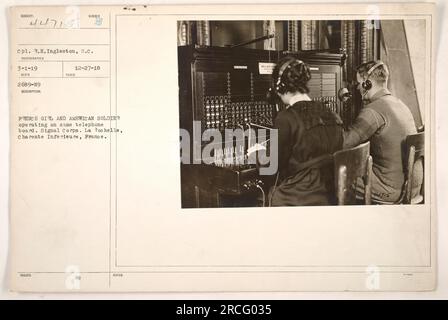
308, 133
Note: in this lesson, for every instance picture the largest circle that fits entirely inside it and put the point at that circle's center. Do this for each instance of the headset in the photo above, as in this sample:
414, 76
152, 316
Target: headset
367, 84
280, 85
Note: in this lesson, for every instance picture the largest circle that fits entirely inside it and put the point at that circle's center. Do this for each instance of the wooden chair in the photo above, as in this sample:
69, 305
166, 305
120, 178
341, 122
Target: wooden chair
414, 151
349, 165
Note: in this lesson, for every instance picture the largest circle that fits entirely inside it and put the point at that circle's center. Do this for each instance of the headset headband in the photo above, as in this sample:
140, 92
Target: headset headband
373, 68
283, 68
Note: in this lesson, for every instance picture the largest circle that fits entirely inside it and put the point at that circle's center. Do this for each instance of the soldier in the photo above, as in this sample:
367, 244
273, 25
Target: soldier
385, 121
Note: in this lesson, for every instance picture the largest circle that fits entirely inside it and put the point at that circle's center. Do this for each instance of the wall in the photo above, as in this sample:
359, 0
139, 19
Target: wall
396, 53
234, 32
415, 35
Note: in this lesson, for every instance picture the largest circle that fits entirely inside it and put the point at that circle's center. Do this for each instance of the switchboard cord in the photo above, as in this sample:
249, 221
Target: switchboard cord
249, 138
263, 194
273, 190
260, 126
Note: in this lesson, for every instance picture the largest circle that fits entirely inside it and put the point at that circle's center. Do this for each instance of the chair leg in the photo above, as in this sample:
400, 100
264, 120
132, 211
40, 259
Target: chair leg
342, 181
409, 176
368, 185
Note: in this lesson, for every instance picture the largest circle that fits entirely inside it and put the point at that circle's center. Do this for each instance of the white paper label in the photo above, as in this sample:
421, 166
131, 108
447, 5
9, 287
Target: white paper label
266, 67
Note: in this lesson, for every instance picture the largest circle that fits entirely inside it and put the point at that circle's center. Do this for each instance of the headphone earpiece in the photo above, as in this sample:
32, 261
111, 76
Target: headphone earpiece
367, 85
280, 86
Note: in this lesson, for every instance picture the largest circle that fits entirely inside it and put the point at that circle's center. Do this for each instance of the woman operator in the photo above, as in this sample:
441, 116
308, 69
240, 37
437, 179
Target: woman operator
308, 133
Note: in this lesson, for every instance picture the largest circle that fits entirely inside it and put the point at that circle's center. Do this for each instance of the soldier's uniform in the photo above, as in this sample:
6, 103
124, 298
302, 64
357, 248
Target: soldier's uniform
386, 122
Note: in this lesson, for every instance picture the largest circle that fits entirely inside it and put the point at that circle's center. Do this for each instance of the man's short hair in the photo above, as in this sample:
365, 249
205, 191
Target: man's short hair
380, 73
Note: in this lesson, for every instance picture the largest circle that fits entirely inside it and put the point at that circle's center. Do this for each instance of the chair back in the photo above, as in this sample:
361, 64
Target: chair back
415, 153
350, 165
